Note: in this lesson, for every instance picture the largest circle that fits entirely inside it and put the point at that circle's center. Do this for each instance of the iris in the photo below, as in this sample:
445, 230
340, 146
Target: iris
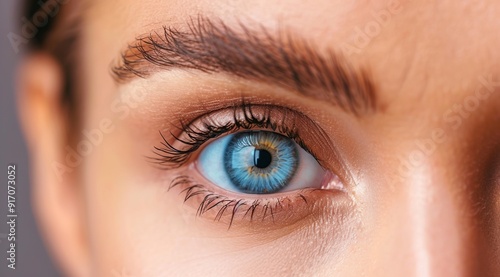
260, 161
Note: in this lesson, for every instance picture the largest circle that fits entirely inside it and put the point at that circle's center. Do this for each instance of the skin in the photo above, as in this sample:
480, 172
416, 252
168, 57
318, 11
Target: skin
421, 189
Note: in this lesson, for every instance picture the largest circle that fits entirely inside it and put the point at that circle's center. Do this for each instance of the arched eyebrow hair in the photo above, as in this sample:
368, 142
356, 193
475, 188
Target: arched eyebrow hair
283, 59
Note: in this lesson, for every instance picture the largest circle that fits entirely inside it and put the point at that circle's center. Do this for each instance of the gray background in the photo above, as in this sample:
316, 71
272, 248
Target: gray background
32, 258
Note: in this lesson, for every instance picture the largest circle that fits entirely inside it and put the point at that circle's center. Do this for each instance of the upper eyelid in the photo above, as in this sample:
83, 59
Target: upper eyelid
172, 157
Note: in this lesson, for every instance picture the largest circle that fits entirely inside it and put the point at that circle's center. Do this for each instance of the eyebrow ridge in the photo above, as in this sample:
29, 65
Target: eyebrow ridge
283, 59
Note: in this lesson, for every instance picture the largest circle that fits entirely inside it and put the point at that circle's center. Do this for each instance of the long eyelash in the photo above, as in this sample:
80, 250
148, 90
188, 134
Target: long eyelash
195, 136
223, 204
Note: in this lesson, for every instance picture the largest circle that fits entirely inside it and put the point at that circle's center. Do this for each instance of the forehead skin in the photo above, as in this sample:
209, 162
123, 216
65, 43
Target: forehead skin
426, 57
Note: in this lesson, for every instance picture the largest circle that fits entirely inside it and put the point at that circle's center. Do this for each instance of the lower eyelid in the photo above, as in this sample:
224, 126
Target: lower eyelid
235, 211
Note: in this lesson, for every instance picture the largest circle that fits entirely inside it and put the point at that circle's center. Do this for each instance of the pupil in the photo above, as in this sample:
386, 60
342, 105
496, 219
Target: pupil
262, 158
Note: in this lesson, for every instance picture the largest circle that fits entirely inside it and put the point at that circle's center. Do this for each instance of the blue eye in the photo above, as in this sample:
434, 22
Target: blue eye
259, 162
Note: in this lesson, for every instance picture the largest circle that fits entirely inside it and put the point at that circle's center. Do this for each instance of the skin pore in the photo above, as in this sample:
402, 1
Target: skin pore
414, 168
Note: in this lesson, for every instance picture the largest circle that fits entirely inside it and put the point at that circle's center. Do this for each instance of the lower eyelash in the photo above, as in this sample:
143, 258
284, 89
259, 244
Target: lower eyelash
210, 200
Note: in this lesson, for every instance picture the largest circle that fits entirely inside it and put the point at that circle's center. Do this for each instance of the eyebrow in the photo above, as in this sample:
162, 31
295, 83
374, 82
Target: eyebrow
283, 59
